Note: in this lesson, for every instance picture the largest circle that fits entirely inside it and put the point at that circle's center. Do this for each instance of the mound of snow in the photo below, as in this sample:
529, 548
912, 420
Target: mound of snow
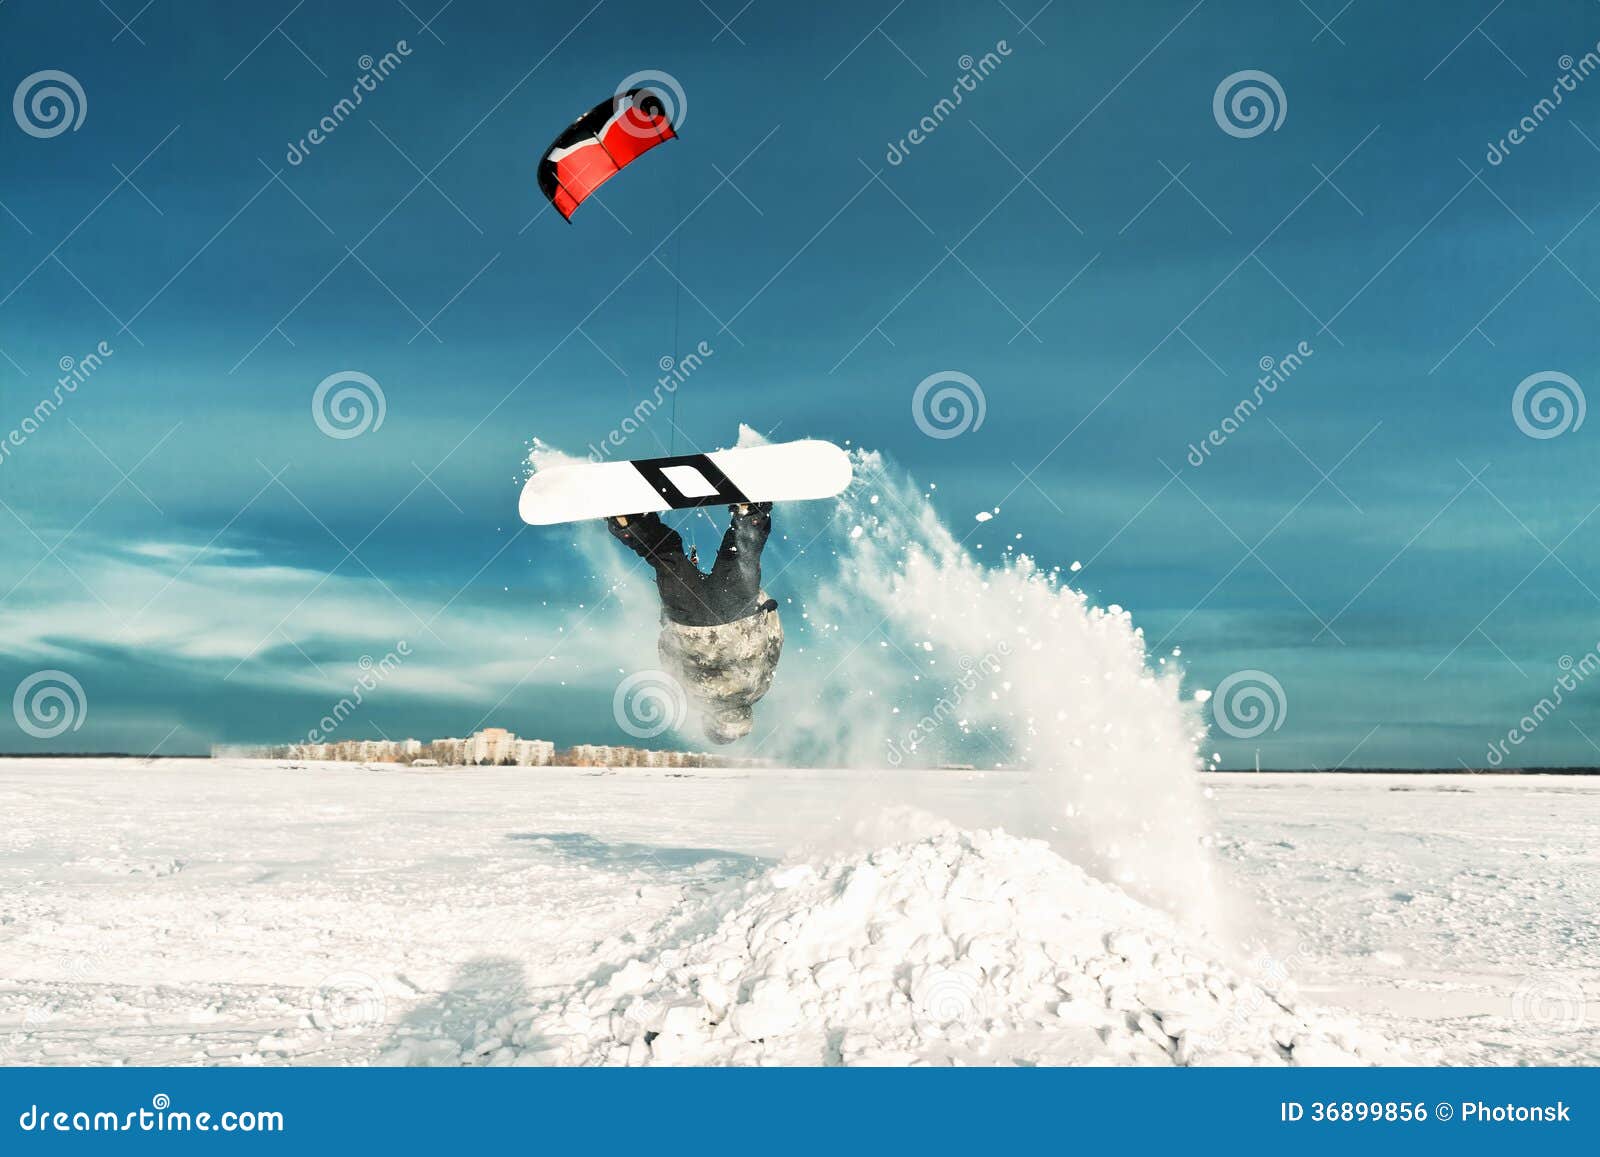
975, 947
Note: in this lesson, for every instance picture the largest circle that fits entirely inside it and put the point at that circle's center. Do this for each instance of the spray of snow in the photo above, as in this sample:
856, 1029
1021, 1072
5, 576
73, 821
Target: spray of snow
912, 651
906, 650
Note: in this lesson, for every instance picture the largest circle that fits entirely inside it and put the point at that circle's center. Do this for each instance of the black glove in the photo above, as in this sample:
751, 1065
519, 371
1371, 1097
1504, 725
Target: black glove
646, 535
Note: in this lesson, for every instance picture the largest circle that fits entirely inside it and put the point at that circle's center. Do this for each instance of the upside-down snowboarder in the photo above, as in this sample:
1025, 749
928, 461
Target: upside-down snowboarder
720, 634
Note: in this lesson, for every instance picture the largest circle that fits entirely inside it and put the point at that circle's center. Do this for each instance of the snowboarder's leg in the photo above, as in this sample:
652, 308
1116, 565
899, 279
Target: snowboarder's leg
678, 581
735, 579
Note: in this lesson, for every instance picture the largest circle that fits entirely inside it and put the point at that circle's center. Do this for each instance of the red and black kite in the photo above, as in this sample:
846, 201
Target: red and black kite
600, 144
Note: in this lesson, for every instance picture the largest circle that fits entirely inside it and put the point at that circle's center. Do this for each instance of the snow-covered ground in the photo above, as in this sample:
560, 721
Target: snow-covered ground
175, 912
1457, 911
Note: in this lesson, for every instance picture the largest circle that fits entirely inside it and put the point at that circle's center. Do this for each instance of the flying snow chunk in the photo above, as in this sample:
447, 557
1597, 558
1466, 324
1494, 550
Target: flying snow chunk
983, 516
1202, 695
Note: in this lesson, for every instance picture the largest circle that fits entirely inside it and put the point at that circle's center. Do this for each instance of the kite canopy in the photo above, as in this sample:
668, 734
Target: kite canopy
600, 144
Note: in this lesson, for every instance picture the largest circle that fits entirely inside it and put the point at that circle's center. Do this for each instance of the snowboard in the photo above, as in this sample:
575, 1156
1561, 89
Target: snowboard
781, 472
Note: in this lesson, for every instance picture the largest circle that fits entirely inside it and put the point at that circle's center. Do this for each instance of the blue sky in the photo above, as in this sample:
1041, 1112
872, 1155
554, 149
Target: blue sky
1080, 235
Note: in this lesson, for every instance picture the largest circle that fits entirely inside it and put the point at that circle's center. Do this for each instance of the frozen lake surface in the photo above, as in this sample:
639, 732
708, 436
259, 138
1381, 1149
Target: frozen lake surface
193, 912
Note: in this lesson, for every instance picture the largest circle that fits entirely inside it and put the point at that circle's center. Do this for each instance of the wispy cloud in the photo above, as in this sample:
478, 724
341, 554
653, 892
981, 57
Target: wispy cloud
223, 616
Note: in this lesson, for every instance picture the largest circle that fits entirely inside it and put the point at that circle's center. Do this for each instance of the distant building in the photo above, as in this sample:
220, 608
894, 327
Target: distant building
448, 752
535, 753
494, 746
602, 755
491, 746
